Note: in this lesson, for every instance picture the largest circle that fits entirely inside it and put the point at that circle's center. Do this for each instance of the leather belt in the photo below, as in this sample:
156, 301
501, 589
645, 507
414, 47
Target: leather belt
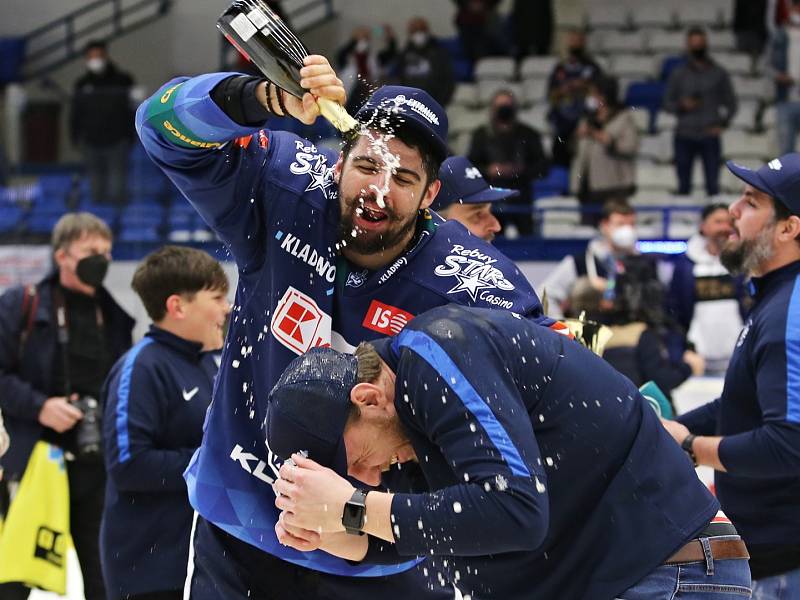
721, 549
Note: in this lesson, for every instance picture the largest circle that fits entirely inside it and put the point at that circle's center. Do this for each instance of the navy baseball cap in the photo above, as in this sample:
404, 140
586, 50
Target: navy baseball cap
779, 178
407, 107
309, 405
462, 181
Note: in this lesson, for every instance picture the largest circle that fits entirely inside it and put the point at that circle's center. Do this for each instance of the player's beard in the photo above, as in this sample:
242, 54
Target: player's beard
372, 242
746, 257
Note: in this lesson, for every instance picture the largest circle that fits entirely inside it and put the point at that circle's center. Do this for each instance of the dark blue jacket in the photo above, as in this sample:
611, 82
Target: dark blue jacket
273, 199
759, 416
26, 381
549, 475
155, 400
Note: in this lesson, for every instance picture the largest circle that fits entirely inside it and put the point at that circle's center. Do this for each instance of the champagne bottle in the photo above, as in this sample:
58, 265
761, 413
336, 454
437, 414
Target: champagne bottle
266, 41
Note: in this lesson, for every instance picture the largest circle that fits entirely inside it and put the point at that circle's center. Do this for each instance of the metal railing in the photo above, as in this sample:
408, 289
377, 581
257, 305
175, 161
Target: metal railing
54, 44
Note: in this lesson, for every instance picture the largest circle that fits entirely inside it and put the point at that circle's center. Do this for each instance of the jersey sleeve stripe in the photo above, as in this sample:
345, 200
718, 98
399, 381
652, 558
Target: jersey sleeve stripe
438, 359
123, 396
793, 356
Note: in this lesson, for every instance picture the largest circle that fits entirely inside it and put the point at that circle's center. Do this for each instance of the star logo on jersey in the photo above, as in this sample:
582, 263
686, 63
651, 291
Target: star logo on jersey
307, 160
471, 284
476, 274
299, 324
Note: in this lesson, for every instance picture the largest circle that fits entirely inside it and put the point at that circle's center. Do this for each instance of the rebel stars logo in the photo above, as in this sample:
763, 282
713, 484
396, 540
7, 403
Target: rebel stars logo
476, 274
307, 160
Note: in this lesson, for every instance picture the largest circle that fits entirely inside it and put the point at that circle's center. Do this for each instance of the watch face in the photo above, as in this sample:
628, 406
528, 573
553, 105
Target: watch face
353, 516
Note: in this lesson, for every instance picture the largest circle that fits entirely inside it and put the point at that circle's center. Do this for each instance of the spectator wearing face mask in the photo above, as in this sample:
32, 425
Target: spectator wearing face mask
510, 155
700, 94
567, 89
601, 262
704, 298
101, 124
424, 63
605, 161
363, 65
784, 64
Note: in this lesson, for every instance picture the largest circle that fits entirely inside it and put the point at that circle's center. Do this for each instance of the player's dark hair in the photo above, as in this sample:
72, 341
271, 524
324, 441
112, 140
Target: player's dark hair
710, 209
411, 138
616, 207
95, 45
175, 270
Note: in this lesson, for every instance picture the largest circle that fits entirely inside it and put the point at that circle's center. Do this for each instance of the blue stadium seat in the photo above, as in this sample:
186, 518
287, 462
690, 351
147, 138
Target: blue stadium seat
556, 183
138, 234
11, 218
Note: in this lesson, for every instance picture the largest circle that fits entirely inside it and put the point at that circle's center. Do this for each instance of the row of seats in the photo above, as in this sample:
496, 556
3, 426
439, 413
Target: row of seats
623, 14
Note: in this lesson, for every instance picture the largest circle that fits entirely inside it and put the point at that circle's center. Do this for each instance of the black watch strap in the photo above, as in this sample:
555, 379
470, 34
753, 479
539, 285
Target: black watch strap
686, 444
355, 511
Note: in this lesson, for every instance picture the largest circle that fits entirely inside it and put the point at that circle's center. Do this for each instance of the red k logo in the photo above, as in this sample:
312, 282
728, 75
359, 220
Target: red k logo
299, 324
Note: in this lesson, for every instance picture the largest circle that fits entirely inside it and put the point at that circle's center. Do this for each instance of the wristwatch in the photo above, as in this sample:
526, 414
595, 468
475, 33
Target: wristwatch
686, 444
354, 514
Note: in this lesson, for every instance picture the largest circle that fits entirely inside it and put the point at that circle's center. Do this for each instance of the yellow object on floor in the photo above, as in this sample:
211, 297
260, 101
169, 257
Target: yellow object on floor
35, 536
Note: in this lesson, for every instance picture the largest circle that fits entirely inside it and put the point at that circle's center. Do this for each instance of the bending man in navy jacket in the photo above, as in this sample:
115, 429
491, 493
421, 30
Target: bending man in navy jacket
751, 434
156, 398
547, 474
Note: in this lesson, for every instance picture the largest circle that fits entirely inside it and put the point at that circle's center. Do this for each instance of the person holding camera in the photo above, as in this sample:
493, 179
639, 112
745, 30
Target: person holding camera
607, 142
58, 340
155, 400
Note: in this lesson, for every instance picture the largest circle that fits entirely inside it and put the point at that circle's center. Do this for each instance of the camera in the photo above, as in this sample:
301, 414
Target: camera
89, 430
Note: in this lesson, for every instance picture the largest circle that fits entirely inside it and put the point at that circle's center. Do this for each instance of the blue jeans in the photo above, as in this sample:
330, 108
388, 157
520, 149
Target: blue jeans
787, 125
785, 586
729, 580
710, 151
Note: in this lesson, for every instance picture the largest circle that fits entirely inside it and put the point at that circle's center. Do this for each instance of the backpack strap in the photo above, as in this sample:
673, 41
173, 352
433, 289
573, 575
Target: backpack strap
30, 303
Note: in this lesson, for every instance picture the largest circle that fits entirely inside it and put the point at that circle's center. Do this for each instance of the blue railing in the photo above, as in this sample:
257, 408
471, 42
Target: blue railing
52, 45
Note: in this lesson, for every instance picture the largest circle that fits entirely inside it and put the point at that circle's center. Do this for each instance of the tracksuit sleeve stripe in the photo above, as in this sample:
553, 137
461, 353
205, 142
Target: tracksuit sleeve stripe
438, 359
123, 394
793, 356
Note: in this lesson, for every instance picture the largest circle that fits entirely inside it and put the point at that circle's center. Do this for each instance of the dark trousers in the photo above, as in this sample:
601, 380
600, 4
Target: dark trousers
225, 567
710, 151
87, 482
163, 595
107, 169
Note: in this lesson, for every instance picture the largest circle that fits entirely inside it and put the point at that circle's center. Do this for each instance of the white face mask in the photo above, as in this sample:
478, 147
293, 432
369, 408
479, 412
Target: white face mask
419, 38
362, 46
96, 65
624, 237
592, 104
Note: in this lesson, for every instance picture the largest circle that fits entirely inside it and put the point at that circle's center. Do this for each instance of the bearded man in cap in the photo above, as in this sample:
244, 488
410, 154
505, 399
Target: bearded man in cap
751, 434
332, 249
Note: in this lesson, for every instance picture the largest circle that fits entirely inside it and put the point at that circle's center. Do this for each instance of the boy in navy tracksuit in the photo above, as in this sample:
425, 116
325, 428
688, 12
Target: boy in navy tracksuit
331, 250
546, 473
156, 398
751, 434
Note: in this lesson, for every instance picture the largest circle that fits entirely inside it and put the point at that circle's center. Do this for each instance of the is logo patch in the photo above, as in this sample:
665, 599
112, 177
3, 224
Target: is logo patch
385, 318
299, 324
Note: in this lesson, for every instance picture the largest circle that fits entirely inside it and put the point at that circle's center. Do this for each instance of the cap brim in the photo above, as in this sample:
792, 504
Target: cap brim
400, 122
750, 176
490, 194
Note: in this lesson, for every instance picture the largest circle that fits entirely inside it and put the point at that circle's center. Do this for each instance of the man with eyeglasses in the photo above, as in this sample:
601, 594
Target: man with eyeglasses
58, 340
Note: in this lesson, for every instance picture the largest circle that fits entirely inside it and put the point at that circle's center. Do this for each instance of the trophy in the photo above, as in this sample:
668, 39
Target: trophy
591, 334
266, 41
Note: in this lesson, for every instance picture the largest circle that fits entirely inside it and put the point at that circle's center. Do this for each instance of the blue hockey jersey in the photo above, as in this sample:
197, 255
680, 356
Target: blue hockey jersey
271, 197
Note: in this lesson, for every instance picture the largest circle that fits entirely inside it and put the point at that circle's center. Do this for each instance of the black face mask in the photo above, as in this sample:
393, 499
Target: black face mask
505, 113
699, 53
576, 52
92, 270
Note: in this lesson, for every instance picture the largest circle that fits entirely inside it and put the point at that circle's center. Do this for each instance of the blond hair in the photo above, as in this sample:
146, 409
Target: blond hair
73, 226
